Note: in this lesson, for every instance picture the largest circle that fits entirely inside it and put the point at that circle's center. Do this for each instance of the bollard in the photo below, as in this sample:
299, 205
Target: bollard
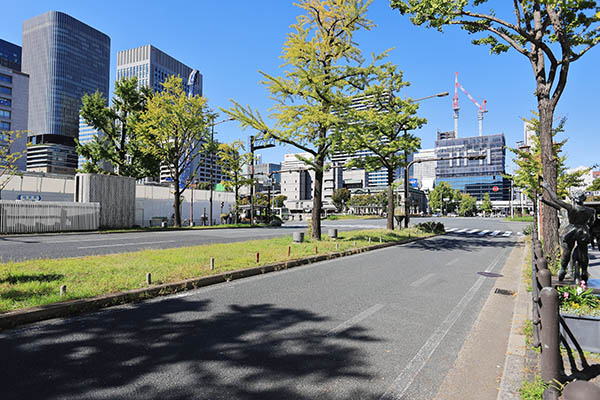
148, 278
369, 240
298, 237
63, 290
380, 239
355, 243
164, 224
289, 250
549, 336
332, 233
544, 276
409, 235
316, 250
212, 264
337, 246
257, 257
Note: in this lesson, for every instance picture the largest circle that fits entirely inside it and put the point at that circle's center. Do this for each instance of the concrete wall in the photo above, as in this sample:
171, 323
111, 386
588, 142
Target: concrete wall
157, 201
116, 195
38, 217
150, 201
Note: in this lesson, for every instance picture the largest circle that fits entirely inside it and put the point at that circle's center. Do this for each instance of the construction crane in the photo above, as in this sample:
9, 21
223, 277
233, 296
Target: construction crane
481, 108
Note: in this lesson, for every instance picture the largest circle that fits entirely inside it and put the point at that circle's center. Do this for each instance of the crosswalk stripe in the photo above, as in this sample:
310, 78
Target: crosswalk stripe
451, 229
473, 231
495, 233
483, 232
507, 233
461, 230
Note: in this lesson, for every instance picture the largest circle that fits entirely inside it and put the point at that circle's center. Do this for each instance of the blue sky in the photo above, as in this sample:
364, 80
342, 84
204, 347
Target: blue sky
229, 43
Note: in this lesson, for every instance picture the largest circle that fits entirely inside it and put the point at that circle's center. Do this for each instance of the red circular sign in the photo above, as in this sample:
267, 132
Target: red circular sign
495, 188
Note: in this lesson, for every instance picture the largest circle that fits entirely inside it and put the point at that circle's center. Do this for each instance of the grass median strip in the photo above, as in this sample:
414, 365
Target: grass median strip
37, 282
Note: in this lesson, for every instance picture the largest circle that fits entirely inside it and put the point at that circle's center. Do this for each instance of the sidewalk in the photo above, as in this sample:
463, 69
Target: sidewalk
493, 360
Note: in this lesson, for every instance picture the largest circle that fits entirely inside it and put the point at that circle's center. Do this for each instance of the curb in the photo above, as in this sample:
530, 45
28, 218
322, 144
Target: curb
516, 352
79, 306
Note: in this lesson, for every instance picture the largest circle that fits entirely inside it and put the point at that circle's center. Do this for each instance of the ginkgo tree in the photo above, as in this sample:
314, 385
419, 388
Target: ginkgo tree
323, 68
9, 156
175, 129
381, 125
551, 34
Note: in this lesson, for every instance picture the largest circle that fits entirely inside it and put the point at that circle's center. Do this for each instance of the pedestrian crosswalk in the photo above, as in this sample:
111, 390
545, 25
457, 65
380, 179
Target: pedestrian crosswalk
483, 232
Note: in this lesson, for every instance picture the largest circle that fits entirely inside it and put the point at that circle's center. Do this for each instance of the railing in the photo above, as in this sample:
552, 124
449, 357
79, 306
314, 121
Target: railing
39, 217
546, 334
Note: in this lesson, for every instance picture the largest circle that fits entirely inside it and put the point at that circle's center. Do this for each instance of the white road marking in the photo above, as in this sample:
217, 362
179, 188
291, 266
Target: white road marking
401, 384
354, 320
451, 229
507, 233
473, 231
495, 233
452, 262
483, 232
99, 239
422, 280
125, 244
461, 230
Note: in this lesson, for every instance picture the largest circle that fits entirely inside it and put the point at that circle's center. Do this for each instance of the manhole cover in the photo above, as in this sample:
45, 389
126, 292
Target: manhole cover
490, 274
505, 292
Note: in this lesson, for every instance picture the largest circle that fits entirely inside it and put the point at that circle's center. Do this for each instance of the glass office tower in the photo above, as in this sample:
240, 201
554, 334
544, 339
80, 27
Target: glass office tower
474, 177
65, 59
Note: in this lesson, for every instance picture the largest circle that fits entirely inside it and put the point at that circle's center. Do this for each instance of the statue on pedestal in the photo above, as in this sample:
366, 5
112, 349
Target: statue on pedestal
575, 232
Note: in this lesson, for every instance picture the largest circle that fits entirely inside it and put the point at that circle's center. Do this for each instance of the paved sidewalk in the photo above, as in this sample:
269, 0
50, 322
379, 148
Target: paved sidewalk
491, 362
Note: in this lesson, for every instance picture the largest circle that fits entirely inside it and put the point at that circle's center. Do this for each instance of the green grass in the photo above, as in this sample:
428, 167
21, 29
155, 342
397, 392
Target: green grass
37, 282
524, 218
351, 216
533, 390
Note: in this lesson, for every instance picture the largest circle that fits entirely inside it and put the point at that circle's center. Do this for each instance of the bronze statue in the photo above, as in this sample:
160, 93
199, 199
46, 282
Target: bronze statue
575, 232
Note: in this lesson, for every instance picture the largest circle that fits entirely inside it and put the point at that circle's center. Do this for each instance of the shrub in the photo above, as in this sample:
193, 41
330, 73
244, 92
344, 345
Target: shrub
576, 297
528, 229
431, 227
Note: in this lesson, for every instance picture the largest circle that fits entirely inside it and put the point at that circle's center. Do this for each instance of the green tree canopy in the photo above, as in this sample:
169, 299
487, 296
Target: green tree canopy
467, 206
175, 130
233, 159
441, 191
278, 200
119, 143
551, 34
340, 198
381, 126
324, 67
8, 156
486, 203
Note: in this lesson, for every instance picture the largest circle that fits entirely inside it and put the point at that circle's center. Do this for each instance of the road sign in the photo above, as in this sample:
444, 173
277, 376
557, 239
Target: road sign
29, 197
495, 188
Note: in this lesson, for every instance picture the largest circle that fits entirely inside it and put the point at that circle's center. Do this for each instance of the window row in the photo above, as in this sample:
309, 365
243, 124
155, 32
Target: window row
5, 78
5, 90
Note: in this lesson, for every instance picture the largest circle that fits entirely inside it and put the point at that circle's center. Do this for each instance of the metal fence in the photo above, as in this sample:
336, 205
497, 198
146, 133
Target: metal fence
39, 217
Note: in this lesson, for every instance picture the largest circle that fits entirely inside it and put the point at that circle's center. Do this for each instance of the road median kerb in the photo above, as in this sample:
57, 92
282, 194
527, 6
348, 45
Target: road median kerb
79, 306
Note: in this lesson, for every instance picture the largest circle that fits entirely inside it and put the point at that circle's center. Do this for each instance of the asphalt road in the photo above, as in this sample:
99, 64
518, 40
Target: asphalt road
387, 324
18, 248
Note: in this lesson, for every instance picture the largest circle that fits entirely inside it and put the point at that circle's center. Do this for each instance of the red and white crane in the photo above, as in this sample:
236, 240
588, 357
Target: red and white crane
481, 108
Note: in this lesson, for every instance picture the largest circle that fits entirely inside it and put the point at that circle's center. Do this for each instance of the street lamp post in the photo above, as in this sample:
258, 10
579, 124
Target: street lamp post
252, 148
476, 156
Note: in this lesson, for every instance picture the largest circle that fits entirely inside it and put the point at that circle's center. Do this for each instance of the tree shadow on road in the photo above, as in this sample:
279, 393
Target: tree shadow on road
469, 243
175, 349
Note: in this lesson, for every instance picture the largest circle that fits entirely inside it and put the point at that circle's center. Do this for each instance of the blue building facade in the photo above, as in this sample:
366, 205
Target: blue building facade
10, 55
474, 177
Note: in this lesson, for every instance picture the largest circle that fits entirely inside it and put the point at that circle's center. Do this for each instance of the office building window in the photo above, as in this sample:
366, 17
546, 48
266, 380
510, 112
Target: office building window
5, 102
5, 78
4, 114
5, 90
4, 126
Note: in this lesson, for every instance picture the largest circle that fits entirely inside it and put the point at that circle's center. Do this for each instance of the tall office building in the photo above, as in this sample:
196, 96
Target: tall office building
474, 177
424, 172
152, 67
65, 59
14, 92
10, 55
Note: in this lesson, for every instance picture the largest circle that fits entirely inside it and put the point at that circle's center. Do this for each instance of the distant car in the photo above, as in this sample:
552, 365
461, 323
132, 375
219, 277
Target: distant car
452, 215
436, 215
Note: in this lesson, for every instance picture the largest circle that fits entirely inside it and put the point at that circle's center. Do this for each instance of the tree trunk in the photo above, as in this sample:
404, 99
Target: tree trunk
390, 199
236, 203
549, 172
317, 199
177, 202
